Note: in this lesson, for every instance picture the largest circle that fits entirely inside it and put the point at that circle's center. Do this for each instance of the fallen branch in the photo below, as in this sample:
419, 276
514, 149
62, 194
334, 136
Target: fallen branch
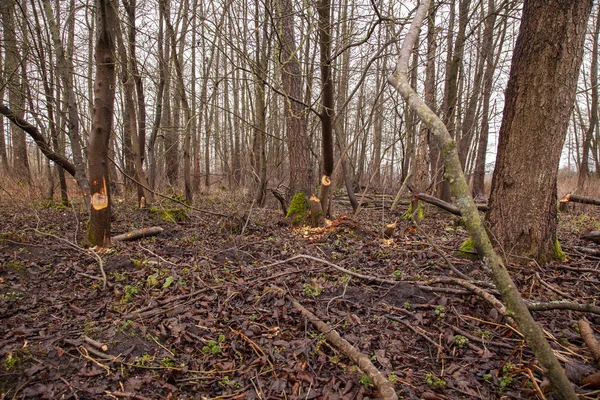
76, 247
563, 305
451, 208
593, 236
385, 387
137, 234
573, 198
587, 334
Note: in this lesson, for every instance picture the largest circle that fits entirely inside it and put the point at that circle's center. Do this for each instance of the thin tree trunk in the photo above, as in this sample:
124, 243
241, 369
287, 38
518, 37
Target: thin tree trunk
65, 69
488, 81
584, 170
104, 97
13, 65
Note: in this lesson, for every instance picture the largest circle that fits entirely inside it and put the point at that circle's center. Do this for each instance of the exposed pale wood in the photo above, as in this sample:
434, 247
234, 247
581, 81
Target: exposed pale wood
573, 198
138, 234
587, 334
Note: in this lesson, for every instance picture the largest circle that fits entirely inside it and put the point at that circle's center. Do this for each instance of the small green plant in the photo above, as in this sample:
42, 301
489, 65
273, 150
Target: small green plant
504, 382
119, 276
139, 263
407, 305
11, 362
130, 292
392, 378
440, 311
487, 377
127, 327
460, 340
485, 335
365, 380
434, 382
226, 382
334, 359
11, 296
212, 347
152, 281
168, 282
167, 362
397, 274
143, 361
312, 290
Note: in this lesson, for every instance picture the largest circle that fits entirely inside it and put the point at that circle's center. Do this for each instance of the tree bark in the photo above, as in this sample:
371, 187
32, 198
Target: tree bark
65, 70
104, 97
16, 93
327, 101
488, 81
301, 171
539, 100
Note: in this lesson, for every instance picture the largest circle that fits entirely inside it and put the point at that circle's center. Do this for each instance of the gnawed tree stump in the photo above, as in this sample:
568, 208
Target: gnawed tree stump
317, 217
138, 234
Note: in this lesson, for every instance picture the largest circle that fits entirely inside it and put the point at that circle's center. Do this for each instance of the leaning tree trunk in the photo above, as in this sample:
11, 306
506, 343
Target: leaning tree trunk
104, 98
532, 332
538, 103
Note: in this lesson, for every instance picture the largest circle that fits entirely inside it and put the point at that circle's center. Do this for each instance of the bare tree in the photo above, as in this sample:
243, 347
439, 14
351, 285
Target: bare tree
104, 97
14, 64
539, 100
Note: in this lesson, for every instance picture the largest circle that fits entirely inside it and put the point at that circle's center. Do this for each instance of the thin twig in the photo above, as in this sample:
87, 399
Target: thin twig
81, 249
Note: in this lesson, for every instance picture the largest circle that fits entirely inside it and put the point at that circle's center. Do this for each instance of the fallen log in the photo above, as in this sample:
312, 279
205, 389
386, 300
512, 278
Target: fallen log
573, 198
593, 236
137, 234
443, 205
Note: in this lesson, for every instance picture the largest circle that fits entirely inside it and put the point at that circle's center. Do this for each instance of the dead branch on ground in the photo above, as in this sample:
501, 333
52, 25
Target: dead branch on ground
385, 387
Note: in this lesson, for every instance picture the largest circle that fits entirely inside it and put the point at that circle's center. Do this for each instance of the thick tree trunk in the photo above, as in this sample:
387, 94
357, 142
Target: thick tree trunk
301, 171
104, 97
539, 100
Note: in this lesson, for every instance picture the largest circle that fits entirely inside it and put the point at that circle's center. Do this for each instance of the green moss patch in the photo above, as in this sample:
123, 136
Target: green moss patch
296, 213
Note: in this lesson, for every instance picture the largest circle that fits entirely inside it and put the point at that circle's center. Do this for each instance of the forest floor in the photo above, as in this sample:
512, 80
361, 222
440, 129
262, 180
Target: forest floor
205, 309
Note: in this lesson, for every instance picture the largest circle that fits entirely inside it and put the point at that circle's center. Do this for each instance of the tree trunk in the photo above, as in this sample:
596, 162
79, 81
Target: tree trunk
131, 122
16, 95
301, 171
65, 70
327, 102
421, 163
3, 154
260, 119
104, 97
488, 81
539, 100
584, 170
